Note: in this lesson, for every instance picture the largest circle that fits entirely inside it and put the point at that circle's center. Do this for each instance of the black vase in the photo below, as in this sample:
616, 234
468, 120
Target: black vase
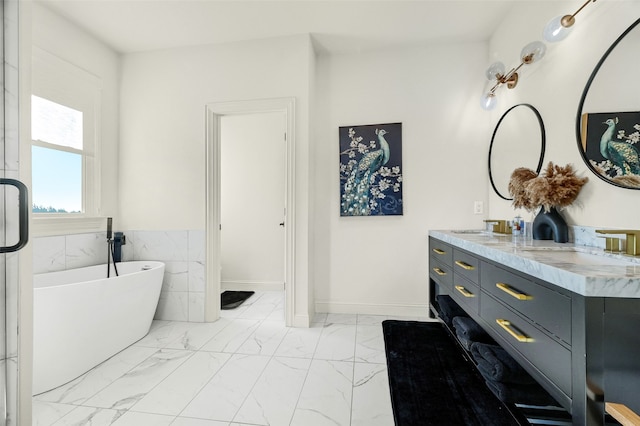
550, 226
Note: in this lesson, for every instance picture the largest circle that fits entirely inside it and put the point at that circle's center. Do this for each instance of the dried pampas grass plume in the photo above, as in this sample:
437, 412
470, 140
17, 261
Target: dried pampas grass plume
519, 179
557, 187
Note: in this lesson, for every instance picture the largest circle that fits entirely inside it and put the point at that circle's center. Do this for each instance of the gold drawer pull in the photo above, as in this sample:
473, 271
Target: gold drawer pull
518, 336
439, 271
466, 266
438, 251
622, 413
464, 291
520, 296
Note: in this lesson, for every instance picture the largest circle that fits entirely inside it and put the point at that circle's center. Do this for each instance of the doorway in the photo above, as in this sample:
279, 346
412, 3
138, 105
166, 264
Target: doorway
227, 115
252, 193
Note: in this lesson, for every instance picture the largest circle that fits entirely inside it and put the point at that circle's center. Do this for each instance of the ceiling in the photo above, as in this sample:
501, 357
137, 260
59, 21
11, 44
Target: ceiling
336, 26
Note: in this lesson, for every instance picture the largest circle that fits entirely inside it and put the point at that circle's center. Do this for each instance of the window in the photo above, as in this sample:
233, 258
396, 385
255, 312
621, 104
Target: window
65, 145
56, 157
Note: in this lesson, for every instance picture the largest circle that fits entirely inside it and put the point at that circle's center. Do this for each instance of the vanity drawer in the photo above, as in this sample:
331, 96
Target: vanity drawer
466, 293
540, 304
441, 273
441, 251
549, 356
466, 265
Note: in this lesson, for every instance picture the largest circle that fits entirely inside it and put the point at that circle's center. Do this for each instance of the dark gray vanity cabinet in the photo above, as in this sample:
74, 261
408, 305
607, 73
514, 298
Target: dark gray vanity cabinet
516, 320
466, 281
531, 319
538, 303
440, 264
566, 341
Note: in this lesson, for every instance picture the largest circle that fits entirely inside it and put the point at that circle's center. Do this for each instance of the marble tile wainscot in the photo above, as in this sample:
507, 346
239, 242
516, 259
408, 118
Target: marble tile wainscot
550, 300
182, 297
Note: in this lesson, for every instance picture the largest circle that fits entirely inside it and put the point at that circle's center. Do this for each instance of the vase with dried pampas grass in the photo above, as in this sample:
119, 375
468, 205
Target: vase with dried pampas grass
557, 187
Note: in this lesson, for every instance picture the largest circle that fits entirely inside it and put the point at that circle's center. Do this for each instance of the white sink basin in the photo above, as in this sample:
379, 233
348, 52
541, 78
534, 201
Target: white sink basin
583, 255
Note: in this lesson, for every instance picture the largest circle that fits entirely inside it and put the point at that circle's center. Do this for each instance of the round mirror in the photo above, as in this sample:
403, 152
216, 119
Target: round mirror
518, 140
608, 118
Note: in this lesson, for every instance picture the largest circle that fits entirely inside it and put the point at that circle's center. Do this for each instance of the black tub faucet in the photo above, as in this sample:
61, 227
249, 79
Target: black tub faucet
119, 240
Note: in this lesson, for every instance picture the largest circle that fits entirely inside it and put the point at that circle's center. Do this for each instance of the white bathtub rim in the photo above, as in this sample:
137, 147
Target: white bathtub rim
41, 276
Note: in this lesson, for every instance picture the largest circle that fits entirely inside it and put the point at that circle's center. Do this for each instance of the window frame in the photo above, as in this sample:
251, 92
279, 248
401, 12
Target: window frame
61, 82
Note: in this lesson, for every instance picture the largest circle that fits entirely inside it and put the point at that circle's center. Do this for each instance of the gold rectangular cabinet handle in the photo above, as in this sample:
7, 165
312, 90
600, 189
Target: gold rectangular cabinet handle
466, 266
464, 291
438, 251
506, 325
622, 413
520, 296
439, 271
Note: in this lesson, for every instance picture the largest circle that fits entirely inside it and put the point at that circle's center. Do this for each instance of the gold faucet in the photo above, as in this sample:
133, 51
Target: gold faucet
632, 240
500, 226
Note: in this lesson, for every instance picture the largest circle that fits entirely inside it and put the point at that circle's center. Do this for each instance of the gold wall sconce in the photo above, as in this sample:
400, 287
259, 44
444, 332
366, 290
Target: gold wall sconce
496, 74
556, 30
559, 27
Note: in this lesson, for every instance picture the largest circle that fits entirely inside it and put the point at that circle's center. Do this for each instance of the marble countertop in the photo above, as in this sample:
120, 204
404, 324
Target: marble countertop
588, 271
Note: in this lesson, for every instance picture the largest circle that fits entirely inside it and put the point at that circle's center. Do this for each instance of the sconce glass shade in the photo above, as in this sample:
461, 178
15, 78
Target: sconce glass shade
497, 68
533, 52
488, 101
555, 31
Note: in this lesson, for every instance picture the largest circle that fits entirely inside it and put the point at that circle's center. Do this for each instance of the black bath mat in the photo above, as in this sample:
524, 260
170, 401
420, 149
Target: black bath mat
433, 383
232, 299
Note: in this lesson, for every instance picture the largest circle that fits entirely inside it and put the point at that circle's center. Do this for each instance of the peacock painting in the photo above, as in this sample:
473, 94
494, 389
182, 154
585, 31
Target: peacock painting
370, 170
623, 155
611, 146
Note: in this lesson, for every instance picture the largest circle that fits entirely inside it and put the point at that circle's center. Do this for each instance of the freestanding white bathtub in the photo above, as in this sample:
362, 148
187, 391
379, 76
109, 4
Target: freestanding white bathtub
81, 318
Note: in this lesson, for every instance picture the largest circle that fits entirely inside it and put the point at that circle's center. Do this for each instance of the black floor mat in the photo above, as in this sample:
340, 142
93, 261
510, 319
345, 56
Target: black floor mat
232, 299
432, 383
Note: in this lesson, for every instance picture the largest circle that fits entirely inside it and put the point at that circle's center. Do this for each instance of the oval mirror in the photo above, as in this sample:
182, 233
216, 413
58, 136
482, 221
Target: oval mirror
608, 118
518, 140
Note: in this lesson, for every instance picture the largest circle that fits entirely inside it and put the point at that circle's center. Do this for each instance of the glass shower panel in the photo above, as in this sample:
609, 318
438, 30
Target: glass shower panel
9, 168
3, 287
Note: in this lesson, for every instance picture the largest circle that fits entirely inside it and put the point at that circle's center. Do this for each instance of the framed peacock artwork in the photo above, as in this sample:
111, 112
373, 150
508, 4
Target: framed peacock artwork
611, 146
371, 170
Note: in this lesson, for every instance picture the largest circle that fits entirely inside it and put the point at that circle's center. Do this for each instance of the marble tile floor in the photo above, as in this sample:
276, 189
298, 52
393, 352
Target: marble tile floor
245, 369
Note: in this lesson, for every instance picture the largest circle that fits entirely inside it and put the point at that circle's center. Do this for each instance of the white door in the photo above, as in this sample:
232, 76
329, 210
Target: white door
252, 201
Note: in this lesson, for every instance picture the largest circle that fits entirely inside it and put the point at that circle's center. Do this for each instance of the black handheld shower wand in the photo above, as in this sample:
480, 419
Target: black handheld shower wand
109, 228
110, 248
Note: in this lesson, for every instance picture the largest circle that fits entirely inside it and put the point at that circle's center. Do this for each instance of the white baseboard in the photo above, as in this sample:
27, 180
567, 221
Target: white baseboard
331, 307
252, 285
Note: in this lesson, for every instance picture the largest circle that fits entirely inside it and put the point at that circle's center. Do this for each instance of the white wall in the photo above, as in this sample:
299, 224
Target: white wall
379, 264
307, 296
164, 94
554, 86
